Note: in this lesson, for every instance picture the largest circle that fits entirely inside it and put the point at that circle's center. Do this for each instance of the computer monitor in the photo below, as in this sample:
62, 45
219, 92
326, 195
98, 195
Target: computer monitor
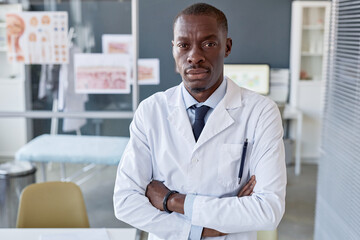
255, 77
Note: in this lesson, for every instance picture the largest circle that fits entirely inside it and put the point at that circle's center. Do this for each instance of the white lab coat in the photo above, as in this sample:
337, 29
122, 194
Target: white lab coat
162, 147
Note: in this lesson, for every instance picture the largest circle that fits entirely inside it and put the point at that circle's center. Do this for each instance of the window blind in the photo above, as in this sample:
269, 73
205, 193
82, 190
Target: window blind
338, 196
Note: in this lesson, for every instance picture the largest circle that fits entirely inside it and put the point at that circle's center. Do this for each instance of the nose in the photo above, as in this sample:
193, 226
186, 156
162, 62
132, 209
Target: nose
195, 56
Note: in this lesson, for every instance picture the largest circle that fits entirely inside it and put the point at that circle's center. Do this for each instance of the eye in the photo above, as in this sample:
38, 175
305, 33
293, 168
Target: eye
210, 44
182, 45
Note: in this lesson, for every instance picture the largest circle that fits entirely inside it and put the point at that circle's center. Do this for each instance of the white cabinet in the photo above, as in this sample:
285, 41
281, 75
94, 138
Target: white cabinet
308, 59
13, 131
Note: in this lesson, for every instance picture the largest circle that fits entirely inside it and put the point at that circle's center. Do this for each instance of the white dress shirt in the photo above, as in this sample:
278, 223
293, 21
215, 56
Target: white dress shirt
211, 102
162, 147
190, 101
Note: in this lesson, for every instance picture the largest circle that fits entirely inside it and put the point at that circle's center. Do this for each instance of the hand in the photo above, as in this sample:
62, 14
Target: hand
208, 232
155, 192
247, 190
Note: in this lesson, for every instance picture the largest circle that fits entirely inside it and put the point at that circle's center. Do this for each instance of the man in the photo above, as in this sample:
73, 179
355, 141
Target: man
171, 149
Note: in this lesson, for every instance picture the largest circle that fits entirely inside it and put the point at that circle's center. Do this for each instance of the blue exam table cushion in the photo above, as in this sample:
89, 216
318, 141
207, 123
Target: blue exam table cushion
73, 149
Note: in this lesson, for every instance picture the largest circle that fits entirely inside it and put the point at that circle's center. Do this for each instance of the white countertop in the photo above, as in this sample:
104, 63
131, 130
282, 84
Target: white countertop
54, 233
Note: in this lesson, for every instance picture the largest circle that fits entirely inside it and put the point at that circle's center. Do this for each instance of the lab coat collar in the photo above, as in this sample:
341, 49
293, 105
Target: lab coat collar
219, 120
178, 117
232, 98
174, 97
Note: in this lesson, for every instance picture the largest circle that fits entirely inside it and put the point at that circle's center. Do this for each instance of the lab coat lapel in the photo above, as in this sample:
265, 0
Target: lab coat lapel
178, 117
220, 119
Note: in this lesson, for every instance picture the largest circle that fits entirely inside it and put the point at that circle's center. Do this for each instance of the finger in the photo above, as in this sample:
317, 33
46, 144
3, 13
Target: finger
242, 191
252, 178
249, 186
253, 183
247, 190
250, 182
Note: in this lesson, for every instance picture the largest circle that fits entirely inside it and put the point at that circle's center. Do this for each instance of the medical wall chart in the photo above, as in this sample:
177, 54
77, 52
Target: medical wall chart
117, 43
102, 73
148, 69
37, 37
251, 76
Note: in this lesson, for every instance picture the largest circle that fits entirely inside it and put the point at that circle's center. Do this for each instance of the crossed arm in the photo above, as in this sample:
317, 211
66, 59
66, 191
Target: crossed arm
156, 192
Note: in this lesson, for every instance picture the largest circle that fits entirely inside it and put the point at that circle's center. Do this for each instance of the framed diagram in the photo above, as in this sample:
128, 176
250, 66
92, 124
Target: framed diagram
255, 77
37, 37
102, 73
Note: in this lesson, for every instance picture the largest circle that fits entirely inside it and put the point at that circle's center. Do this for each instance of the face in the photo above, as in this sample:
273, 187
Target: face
199, 49
15, 25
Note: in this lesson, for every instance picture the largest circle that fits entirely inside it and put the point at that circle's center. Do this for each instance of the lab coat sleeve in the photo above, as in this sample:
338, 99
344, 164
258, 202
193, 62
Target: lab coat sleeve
133, 175
265, 208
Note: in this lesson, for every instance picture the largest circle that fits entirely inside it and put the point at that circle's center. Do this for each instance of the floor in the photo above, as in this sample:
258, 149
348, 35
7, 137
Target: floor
297, 223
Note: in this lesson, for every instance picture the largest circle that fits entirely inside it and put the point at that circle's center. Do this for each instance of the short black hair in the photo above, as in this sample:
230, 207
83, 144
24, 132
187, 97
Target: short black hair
199, 9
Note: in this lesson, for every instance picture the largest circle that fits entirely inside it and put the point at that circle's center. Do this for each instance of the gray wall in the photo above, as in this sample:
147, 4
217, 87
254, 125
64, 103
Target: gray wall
260, 30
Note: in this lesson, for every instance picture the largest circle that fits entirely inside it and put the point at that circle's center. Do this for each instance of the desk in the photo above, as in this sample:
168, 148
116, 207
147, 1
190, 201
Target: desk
35, 233
292, 113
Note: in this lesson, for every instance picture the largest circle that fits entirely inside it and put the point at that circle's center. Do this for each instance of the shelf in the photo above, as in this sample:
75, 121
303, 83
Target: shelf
313, 27
303, 82
8, 80
3, 49
2, 25
309, 54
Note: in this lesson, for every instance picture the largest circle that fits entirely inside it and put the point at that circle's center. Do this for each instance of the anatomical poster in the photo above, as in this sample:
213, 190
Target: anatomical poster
117, 43
102, 73
148, 71
37, 37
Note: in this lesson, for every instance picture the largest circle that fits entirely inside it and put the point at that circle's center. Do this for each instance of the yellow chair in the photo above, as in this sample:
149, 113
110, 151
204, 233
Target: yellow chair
267, 235
52, 205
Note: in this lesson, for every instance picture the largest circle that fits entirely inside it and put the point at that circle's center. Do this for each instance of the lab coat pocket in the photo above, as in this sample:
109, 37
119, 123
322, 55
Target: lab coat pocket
229, 164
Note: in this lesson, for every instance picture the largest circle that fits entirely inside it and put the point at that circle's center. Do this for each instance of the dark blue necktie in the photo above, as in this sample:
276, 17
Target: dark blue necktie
199, 123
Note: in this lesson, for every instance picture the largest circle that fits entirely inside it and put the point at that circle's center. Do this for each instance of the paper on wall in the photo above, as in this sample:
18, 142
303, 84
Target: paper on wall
37, 37
148, 69
102, 73
251, 76
117, 43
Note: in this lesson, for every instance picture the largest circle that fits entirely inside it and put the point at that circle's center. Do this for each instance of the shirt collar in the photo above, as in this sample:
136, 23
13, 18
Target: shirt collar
212, 101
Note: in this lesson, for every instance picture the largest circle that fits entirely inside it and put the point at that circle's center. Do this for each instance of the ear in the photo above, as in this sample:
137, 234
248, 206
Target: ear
176, 68
172, 46
228, 47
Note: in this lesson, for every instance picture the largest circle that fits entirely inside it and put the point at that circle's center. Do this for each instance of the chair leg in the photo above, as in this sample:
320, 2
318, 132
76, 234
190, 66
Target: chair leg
62, 172
138, 234
43, 171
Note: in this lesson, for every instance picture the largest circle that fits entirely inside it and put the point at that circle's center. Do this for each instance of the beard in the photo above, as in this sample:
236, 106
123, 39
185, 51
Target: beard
197, 90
